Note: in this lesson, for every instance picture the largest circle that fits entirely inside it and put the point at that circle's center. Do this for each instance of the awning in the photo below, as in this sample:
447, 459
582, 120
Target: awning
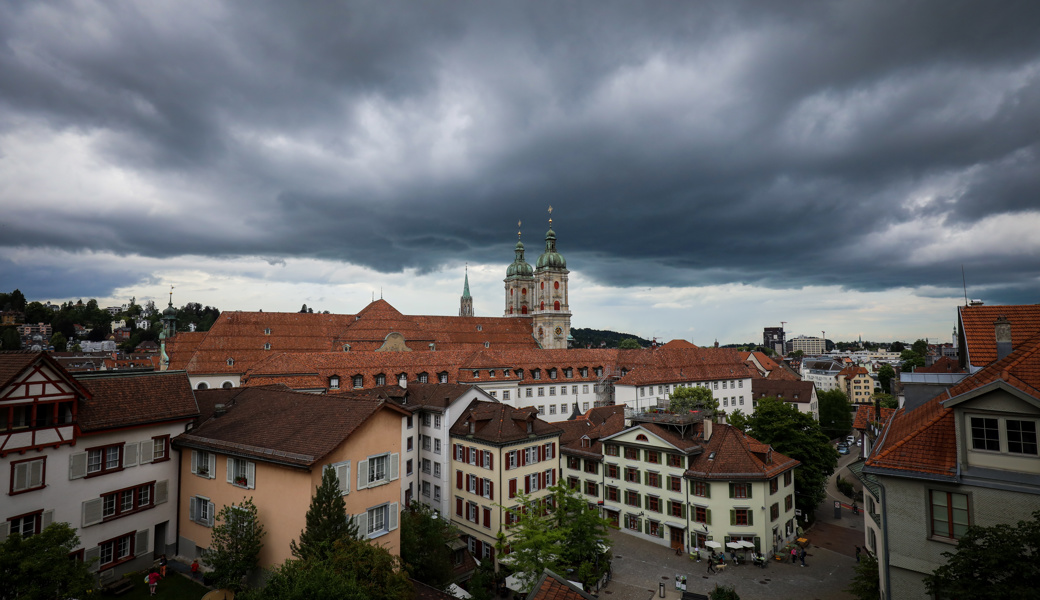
675, 525
613, 508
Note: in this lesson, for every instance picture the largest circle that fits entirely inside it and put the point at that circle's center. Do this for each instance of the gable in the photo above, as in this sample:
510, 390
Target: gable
40, 381
996, 397
635, 435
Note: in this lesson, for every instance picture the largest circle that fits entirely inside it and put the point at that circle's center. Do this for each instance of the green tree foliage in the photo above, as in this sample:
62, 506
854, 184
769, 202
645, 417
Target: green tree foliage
885, 376
38, 567
596, 338
797, 435
911, 360
866, 582
326, 520
59, 342
36, 312
685, 399
722, 592
999, 561
885, 400
896, 347
535, 541
628, 344
481, 585
835, 415
920, 347
797, 354
237, 540
9, 339
13, 301
354, 570
424, 546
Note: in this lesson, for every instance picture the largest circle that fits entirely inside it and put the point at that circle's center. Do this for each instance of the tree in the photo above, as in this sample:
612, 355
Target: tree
685, 399
797, 354
628, 344
885, 400
38, 567
722, 592
481, 584
9, 339
326, 520
896, 347
999, 561
797, 435
237, 541
535, 542
37, 313
835, 415
424, 546
59, 342
866, 583
920, 347
885, 376
911, 360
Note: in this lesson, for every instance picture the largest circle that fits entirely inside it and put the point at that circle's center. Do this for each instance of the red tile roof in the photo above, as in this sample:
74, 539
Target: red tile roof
852, 372
679, 344
14, 362
980, 335
767, 363
554, 587
786, 390
730, 454
270, 424
123, 399
495, 423
865, 415
944, 364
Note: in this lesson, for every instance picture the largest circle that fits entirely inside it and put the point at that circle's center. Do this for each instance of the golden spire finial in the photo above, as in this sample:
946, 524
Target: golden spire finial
518, 230
550, 216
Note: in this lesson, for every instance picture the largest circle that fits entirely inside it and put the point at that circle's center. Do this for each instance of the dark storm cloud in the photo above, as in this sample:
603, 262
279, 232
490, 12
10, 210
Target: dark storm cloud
681, 143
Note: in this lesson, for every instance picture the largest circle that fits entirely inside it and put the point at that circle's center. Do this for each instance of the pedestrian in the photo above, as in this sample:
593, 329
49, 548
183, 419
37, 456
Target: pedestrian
801, 555
857, 553
711, 564
162, 566
153, 581
195, 569
794, 555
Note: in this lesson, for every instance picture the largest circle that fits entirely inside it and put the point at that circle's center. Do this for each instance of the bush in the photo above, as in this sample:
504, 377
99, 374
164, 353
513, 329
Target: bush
846, 488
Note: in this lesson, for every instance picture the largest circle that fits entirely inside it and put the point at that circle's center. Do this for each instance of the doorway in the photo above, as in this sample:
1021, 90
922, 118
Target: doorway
160, 540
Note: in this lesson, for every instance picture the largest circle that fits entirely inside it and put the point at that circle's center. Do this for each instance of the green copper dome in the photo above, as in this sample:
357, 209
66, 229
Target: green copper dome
551, 259
519, 267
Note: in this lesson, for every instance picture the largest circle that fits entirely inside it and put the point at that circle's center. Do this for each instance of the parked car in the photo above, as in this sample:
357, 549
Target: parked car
850, 440
843, 449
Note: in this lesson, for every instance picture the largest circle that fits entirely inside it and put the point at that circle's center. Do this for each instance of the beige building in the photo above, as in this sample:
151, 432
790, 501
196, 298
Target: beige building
498, 453
236, 453
857, 384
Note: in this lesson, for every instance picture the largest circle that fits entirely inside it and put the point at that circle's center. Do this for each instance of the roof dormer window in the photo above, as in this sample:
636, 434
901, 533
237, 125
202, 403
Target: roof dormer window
476, 374
267, 346
487, 344
491, 373
230, 362
267, 331
480, 328
334, 382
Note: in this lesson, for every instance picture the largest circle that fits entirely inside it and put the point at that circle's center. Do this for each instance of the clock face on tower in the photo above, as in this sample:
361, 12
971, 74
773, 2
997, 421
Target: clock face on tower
559, 330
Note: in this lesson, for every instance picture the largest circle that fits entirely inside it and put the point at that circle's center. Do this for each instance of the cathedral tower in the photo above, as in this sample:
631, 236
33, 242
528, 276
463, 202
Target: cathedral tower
466, 302
552, 313
519, 283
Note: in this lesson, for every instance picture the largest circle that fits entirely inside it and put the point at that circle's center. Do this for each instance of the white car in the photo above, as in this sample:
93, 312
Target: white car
850, 440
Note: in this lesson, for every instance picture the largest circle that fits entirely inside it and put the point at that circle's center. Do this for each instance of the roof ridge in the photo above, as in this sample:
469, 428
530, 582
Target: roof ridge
916, 432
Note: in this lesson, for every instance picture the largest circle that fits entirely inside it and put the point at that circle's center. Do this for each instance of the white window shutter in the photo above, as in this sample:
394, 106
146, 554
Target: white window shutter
362, 474
191, 508
91, 557
141, 545
5, 530
393, 517
212, 465
36, 473
362, 524
92, 511
211, 515
194, 462
162, 491
395, 466
48, 518
21, 476
147, 452
343, 475
130, 455
251, 474
230, 469
78, 465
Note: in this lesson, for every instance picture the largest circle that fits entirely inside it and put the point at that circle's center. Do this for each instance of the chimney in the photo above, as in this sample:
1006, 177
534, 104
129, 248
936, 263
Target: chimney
219, 410
1002, 328
707, 429
403, 382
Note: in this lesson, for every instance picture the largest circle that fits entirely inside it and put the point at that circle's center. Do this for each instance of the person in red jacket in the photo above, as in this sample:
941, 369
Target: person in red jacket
153, 581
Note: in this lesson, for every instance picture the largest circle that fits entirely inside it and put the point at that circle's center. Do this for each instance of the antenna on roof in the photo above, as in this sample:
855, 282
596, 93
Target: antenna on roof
380, 292
965, 282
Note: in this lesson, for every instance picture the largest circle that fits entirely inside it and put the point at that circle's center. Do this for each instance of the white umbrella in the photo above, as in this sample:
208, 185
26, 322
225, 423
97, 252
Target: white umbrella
733, 545
746, 544
712, 544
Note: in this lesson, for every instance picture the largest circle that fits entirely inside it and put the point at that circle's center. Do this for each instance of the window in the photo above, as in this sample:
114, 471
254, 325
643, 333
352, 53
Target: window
985, 434
552, 390
380, 379
787, 478
241, 473
573, 463
584, 406
610, 449
377, 468
653, 480
126, 501
591, 488
28, 475
116, 551
436, 421
675, 484
436, 469
505, 394
740, 516
552, 407
437, 492
613, 471
1021, 437
653, 503
380, 520
677, 509
267, 346
701, 515
789, 502
632, 474
358, 381
442, 377
436, 446
949, 514
27, 525
572, 483
541, 409
200, 510
409, 466
612, 494
653, 457
160, 448
631, 498
568, 373
774, 511
425, 489
702, 489
424, 378
409, 422
203, 464
528, 393
410, 443
105, 459
631, 454
591, 467
536, 374
675, 460
774, 485
334, 382
740, 490
426, 466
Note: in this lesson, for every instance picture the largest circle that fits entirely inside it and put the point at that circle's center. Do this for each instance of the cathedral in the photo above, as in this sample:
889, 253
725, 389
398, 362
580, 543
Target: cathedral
540, 292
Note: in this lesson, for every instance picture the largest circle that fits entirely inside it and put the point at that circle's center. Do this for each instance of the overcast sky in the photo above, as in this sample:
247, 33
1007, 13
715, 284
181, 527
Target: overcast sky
714, 167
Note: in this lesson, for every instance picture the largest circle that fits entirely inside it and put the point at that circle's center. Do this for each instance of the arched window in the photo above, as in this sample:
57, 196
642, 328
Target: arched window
543, 285
556, 305
523, 291
227, 385
202, 386
267, 346
523, 310
543, 305
556, 284
510, 310
641, 438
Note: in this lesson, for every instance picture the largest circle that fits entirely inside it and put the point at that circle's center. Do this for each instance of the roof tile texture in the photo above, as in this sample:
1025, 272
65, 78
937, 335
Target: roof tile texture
980, 333
125, 399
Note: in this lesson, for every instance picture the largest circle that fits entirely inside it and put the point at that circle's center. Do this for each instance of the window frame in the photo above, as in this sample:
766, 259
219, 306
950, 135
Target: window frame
953, 536
113, 545
135, 491
27, 462
103, 468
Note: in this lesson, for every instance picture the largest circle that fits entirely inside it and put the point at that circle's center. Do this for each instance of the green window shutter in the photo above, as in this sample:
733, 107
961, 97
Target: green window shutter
707, 490
750, 517
646, 502
731, 492
757, 542
732, 517
682, 510
749, 487
708, 517
660, 531
646, 477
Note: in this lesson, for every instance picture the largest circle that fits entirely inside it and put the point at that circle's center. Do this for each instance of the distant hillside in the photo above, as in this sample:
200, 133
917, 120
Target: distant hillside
595, 337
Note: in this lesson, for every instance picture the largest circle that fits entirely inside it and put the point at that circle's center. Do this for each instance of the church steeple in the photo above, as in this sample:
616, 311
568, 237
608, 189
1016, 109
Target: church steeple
466, 302
551, 325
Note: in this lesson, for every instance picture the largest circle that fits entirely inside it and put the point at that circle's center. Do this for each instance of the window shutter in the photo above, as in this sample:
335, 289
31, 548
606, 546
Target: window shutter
554, 476
458, 506
732, 517
707, 520
465, 454
732, 493
141, 545
487, 517
512, 488
750, 517
491, 489
91, 556
491, 461
395, 466
147, 453
552, 450
682, 511
5, 529
458, 479
393, 517
162, 491
757, 540
523, 457
541, 453
660, 531
646, 477
480, 487
211, 515
343, 476
362, 474
48, 518
362, 525
230, 469
707, 490
130, 455
21, 476
191, 509
194, 462
251, 475
212, 465
92, 512
78, 465
646, 502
